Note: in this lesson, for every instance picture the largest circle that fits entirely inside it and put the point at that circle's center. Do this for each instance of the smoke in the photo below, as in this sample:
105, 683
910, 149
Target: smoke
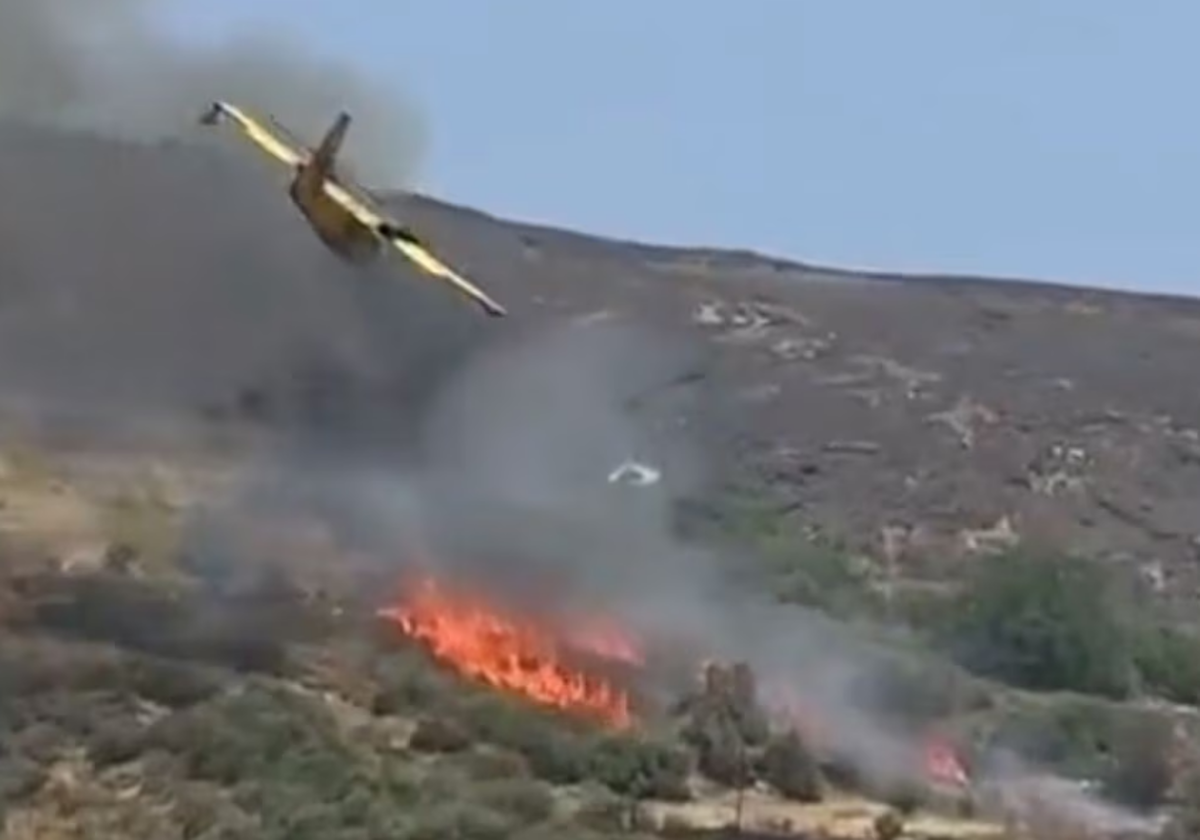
512, 490
1053, 805
106, 67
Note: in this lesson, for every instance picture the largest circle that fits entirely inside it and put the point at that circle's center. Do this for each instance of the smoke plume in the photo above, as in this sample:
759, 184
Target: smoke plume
104, 66
513, 491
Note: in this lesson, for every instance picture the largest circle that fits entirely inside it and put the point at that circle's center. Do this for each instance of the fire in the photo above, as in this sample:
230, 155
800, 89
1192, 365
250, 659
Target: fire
511, 654
942, 764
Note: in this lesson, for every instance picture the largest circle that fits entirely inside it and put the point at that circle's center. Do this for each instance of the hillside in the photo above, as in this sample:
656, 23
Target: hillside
222, 448
921, 413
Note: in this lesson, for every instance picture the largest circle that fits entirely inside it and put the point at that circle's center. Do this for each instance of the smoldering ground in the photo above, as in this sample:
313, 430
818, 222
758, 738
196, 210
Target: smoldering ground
105, 65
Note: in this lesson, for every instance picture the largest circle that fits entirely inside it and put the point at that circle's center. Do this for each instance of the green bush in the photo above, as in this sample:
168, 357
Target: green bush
817, 576
1073, 736
795, 566
555, 753
458, 821
172, 684
1168, 661
525, 800
283, 758
642, 769
1044, 623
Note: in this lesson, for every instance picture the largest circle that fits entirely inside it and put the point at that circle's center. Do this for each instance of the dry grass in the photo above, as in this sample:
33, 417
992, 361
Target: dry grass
839, 816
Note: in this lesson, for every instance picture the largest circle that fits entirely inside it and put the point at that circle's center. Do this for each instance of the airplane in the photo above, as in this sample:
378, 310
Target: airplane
343, 215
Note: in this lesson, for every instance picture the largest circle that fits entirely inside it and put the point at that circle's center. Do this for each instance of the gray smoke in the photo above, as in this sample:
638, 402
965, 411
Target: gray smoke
513, 492
104, 66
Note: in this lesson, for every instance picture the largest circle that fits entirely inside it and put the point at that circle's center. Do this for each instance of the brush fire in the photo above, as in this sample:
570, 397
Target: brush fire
464, 630
574, 666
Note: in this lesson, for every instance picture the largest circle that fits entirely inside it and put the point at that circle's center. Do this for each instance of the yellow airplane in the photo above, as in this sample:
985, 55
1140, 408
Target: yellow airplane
342, 214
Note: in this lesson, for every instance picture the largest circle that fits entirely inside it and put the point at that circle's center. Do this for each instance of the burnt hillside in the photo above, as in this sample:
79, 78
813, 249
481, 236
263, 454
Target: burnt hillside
917, 418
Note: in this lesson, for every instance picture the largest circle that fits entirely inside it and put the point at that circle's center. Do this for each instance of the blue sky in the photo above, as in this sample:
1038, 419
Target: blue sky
1047, 139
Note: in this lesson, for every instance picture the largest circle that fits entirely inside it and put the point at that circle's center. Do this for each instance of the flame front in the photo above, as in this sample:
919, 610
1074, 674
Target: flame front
509, 654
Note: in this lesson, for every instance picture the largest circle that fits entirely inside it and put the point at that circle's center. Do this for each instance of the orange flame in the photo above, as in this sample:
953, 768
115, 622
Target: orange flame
509, 654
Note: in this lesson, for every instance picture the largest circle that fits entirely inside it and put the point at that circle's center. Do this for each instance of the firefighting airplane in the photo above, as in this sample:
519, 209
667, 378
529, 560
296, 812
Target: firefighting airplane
343, 216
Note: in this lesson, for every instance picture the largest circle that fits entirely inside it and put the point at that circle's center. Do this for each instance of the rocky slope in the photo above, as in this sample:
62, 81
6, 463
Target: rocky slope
917, 418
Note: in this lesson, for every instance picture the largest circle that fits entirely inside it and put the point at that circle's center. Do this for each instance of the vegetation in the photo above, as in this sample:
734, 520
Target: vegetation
1043, 623
193, 702
290, 765
1036, 621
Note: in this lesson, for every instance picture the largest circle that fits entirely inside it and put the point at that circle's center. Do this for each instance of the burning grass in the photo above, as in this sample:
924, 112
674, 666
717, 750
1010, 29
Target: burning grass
514, 654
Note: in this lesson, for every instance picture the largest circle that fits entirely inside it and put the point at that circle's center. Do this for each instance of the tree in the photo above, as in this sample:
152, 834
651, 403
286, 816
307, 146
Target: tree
1043, 623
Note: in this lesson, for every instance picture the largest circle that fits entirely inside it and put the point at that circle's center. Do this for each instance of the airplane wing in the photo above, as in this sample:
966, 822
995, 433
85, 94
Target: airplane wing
416, 252
270, 140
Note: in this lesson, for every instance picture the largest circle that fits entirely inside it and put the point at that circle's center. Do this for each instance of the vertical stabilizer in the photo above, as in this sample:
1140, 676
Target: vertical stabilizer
324, 155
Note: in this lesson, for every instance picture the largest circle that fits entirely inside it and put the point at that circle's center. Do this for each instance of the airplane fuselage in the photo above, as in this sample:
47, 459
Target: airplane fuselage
335, 226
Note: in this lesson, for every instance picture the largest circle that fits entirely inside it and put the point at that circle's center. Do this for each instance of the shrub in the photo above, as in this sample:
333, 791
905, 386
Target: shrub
407, 681
492, 763
603, 811
554, 753
448, 821
640, 768
524, 800
1072, 736
439, 735
1168, 661
172, 684
116, 741
1043, 623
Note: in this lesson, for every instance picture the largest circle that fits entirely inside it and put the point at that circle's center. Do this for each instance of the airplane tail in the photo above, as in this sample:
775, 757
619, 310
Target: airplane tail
324, 155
